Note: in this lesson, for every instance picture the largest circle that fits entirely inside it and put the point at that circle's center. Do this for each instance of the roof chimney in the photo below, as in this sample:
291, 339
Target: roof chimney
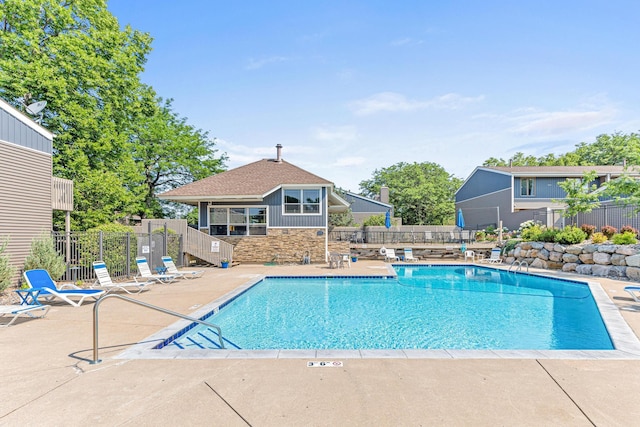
279, 153
384, 195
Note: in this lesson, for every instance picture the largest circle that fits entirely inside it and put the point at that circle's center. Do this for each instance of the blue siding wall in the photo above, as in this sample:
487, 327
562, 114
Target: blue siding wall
276, 219
362, 205
483, 182
545, 188
14, 131
274, 203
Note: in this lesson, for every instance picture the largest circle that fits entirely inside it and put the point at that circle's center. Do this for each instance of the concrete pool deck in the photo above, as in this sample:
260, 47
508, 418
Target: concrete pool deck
47, 378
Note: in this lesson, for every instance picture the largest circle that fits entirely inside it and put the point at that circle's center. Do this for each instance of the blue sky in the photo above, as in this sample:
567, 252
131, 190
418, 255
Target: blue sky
348, 87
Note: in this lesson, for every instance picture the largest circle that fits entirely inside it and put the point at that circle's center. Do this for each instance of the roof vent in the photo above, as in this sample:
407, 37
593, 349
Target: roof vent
279, 153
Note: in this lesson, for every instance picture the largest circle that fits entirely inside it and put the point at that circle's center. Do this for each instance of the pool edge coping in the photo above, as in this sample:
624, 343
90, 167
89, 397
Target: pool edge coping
625, 342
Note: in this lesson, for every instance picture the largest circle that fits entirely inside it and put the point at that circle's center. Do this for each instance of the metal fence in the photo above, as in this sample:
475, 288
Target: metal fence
613, 215
117, 250
413, 237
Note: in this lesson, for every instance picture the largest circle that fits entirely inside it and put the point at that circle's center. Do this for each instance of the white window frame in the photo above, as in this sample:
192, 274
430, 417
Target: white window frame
533, 187
247, 223
302, 203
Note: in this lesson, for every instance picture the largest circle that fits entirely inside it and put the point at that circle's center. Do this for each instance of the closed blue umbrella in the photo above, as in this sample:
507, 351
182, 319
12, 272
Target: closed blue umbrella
460, 224
460, 220
387, 219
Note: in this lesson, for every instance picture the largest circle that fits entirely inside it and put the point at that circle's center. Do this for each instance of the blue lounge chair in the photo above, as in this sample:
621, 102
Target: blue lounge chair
145, 272
18, 310
172, 269
104, 281
634, 291
41, 281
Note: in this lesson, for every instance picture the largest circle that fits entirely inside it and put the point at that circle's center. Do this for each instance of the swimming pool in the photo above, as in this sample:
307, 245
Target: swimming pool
423, 307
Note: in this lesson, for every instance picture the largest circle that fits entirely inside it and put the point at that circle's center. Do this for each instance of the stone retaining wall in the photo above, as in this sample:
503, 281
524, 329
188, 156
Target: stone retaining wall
600, 260
284, 245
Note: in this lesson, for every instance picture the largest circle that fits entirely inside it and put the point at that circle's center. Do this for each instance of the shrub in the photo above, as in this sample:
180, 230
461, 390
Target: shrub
43, 255
374, 220
510, 245
114, 243
626, 238
598, 238
608, 231
173, 242
480, 236
532, 234
549, 235
628, 229
571, 236
589, 229
6, 269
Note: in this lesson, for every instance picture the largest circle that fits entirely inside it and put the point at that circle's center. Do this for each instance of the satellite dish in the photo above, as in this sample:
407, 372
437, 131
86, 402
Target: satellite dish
36, 107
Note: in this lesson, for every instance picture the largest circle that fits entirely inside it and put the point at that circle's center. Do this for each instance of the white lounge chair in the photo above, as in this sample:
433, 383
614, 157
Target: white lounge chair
408, 255
494, 258
104, 281
18, 310
634, 291
145, 272
186, 274
44, 287
390, 254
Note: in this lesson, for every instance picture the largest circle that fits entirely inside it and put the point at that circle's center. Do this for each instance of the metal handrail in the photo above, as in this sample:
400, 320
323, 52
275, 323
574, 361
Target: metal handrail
144, 304
519, 264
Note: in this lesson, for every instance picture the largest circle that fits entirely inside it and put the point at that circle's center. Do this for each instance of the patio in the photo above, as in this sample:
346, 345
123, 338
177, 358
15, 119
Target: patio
48, 379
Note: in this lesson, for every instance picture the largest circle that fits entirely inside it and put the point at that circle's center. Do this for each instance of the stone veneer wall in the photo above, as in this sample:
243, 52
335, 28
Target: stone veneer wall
289, 244
601, 260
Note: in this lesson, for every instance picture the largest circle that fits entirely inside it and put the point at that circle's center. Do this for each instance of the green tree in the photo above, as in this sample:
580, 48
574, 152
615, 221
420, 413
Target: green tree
614, 149
580, 194
170, 153
118, 141
422, 193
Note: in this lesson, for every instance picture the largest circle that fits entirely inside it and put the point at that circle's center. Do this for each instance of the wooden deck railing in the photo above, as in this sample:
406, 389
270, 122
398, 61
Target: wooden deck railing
61, 194
206, 247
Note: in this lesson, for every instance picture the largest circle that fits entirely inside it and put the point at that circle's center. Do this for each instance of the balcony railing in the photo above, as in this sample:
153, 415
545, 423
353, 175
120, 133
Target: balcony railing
61, 194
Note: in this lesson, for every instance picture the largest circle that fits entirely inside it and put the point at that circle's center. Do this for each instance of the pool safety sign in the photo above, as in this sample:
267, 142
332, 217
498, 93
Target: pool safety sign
326, 364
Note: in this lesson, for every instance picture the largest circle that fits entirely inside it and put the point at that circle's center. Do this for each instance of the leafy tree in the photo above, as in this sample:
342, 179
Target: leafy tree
613, 149
581, 195
170, 153
115, 138
422, 193
520, 159
625, 191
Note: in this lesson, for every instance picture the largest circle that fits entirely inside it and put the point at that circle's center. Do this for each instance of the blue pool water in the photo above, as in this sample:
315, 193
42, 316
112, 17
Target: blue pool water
425, 307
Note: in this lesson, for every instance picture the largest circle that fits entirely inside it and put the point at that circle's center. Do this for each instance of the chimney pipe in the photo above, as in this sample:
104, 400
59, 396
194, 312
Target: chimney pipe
384, 194
279, 153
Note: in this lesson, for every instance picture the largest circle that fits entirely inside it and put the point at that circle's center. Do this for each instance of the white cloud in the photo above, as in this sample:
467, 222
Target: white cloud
335, 133
406, 41
391, 101
350, 161
558, 122
255, 64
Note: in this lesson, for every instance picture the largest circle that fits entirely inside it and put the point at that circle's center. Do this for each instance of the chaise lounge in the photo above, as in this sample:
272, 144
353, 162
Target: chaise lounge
43, 286
18, 310
104, 281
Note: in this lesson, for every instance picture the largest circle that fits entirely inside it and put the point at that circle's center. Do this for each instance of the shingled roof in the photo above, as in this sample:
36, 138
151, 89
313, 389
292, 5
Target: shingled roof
563, 170
250, 182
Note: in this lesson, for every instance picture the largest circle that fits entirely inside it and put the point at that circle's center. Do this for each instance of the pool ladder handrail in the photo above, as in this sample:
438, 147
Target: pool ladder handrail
144, 304
519, 265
